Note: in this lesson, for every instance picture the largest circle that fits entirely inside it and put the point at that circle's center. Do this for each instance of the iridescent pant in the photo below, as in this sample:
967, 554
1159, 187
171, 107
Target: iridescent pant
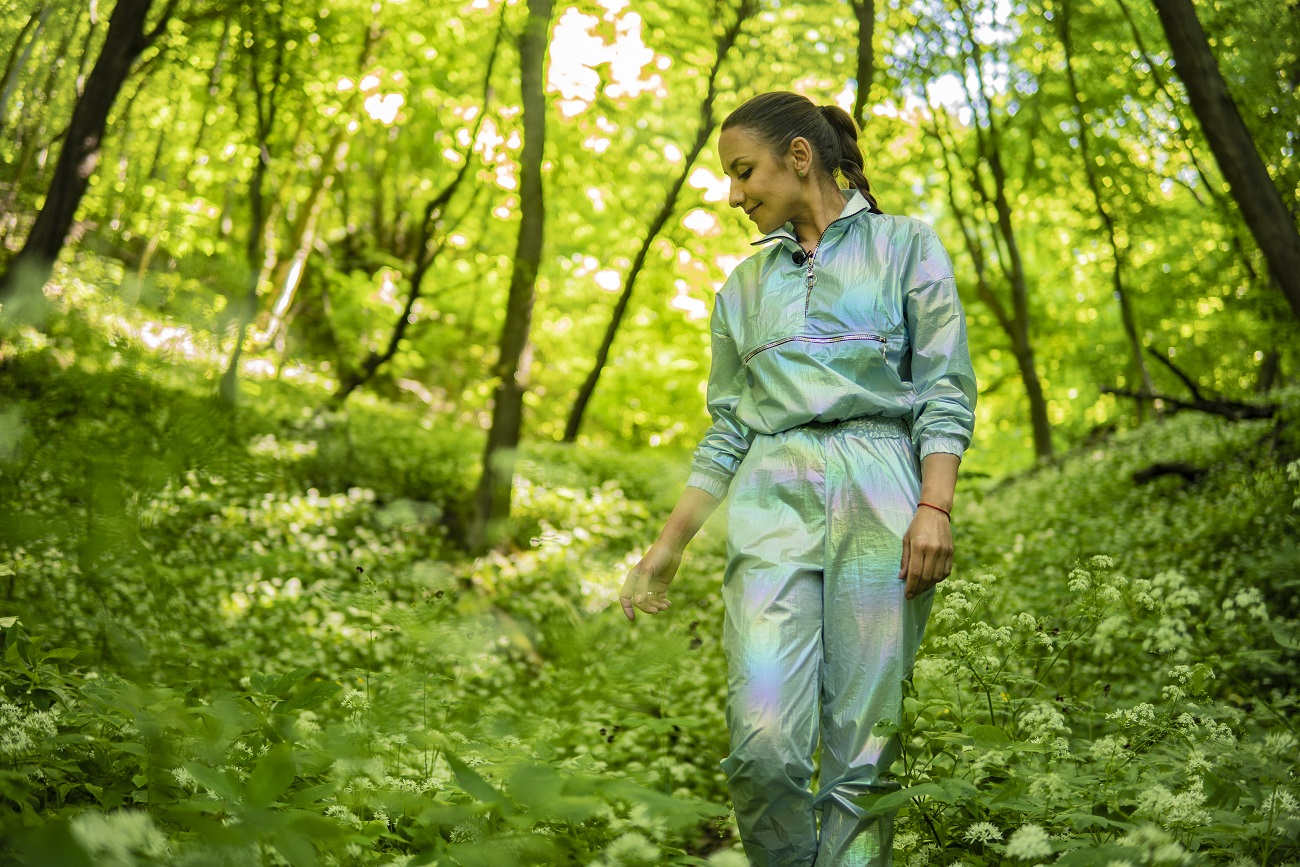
818, 636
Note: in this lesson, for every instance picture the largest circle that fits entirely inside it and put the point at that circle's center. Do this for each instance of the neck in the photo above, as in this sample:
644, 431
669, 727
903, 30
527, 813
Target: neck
824, 204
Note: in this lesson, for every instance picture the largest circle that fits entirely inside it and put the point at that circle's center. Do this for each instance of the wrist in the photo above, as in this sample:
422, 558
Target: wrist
937, 508
677, 546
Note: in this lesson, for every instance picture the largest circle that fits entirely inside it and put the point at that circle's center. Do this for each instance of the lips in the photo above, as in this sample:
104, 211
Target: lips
750, 212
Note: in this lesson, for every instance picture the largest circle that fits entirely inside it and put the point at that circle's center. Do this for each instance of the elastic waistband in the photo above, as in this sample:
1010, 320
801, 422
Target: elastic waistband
866, 425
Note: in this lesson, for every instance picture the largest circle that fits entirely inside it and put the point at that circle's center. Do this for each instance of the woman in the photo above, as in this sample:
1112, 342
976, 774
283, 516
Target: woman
842, 399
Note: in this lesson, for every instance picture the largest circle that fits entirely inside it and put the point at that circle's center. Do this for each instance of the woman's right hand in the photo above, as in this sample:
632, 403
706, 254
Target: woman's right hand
647, 583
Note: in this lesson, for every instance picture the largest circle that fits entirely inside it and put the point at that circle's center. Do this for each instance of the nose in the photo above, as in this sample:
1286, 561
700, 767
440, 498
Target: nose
735, 196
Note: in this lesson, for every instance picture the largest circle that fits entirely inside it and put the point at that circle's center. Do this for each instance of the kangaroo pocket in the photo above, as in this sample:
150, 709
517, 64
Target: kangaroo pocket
797, 379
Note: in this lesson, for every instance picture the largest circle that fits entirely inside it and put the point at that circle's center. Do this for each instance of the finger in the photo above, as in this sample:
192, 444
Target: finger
917, 578
930, 571
647, 602
902, 568
628, 610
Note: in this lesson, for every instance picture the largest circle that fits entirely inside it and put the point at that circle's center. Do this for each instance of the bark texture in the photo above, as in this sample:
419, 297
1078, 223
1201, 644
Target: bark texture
1273, 226
514, 354
125, 40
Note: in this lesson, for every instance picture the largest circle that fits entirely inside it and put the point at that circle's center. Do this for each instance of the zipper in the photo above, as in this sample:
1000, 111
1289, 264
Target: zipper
811, 339
810, 279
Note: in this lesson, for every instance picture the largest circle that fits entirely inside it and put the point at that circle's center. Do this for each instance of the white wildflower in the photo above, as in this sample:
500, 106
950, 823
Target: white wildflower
1029, 842
355, 699
1079, 581
631, 848
1175, 810
1279, 802
1196, 762
342, 813
922, 856
982, 832
1106, 749
118, 838
905, 840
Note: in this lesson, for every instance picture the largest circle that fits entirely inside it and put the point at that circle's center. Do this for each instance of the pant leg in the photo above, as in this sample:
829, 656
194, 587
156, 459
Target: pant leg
772, 637
870, 638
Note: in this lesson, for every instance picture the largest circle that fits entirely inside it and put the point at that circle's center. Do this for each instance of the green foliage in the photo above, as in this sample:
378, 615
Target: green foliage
1133, 706
254, 638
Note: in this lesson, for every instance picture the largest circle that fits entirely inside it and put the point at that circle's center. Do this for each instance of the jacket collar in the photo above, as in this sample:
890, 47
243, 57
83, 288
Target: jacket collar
854, 204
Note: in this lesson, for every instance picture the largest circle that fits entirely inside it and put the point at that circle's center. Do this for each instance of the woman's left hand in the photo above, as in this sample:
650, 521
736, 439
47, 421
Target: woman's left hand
927, 551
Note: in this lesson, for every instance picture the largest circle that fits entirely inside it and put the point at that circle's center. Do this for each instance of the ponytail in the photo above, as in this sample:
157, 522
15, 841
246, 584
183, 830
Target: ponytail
850, 164
779, 117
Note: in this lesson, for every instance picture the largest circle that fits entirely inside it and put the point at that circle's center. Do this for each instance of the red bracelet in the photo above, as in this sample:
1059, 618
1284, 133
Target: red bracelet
933, 506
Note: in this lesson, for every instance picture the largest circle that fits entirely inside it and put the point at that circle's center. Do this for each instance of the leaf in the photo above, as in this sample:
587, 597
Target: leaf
954, 791
988, 734
295, 846
219, 782
1104, 854
548, 795
285, 683
6, 622
474, 785
311, 795
272, 776
308, 696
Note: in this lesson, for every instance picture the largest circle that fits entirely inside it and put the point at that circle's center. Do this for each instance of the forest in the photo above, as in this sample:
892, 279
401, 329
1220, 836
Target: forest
352, 352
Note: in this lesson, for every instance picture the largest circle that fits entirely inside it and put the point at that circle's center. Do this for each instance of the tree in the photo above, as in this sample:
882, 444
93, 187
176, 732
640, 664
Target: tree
726, 39
492, 500
127, 37
265, 28
423, 255
1062, 19
865, 12
991, 206
1273, 226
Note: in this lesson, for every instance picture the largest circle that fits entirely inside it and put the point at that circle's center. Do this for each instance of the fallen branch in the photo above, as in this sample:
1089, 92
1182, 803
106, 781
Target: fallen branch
1229, 409
1187, 471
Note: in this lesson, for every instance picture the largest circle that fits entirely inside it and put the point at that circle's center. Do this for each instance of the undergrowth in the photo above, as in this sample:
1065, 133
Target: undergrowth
252, 638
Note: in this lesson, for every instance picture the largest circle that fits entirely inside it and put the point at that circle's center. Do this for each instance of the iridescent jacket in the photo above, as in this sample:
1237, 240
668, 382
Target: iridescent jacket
880, 331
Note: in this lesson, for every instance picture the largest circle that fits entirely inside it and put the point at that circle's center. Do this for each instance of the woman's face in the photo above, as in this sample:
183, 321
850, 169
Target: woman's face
765, 185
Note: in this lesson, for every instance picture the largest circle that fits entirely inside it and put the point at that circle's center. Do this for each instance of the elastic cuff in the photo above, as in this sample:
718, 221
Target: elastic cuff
709, 483
947, 445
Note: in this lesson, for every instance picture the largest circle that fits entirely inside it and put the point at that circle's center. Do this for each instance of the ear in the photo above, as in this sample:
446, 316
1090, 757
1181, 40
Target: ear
800, 154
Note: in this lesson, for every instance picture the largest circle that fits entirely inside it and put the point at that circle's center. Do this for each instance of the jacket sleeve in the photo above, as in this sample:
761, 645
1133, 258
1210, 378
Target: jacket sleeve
727, 440
943, 416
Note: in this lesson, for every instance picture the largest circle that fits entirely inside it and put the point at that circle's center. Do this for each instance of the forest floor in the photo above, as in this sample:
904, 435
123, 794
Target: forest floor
252, 638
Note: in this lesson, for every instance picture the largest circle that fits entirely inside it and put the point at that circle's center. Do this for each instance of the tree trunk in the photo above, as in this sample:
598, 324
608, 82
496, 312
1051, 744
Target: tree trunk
265, 103
30, 269
1108, 222
865, 10
1009, 259
725, 41
1014, 322
1273, 226
492, 501
288, 271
